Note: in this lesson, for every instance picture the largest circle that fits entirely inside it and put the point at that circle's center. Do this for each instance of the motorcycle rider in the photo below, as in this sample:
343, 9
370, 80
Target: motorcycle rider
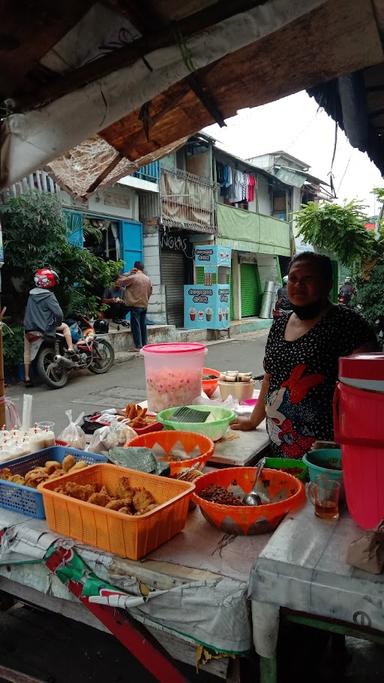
282, 301
43, 314
346, 292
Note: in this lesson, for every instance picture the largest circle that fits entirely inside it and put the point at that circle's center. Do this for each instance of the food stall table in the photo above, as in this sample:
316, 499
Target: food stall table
199, 580
243, 449
303, 569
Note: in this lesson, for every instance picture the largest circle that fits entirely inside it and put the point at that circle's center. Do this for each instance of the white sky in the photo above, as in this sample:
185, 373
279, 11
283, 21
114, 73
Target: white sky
295, 125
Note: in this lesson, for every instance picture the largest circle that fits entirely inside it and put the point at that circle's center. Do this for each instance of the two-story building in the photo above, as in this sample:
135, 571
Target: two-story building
207, 195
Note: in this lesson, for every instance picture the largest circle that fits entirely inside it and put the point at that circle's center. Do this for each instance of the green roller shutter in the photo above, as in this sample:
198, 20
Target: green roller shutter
250, 290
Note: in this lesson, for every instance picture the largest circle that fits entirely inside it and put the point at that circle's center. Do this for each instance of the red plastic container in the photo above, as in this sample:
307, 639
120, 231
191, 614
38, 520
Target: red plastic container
210, 385
359, 428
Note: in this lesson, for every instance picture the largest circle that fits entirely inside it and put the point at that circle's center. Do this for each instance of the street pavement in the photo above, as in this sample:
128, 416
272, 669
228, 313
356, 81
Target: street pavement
125, 382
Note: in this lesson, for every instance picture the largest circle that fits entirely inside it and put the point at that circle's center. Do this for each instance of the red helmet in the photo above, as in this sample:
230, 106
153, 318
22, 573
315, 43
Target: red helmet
46, 278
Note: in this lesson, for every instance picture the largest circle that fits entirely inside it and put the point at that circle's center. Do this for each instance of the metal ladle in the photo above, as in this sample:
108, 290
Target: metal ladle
256, 497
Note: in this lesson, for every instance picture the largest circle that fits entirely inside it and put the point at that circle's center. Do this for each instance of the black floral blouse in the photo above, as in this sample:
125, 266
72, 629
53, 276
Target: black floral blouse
303, 375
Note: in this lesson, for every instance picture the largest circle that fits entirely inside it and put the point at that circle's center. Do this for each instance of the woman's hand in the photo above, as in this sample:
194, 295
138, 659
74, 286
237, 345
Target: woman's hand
243, 424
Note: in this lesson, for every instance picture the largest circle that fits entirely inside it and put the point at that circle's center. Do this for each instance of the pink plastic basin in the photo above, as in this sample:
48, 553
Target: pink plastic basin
173, 373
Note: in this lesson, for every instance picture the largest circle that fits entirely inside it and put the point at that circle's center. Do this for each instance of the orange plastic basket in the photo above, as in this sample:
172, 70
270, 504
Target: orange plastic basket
189, 440
131, 537
245, 519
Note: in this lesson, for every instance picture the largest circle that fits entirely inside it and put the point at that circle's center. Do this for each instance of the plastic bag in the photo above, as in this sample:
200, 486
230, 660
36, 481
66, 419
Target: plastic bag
118, 433
367, 552
73, 435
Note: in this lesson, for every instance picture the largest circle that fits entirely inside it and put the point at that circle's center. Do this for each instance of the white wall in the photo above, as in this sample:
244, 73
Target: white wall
268, 268
117, 201
157, 302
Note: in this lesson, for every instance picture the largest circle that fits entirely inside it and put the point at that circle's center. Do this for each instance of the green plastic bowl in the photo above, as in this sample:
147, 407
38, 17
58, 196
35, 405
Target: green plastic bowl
215, 430
287, 465
324, 461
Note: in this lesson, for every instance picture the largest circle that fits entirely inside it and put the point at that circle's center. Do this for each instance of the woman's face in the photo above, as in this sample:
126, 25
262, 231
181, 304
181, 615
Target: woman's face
306, 284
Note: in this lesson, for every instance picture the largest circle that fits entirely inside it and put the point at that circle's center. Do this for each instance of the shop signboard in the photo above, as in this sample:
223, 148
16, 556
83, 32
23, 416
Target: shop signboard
212, 257
206, 308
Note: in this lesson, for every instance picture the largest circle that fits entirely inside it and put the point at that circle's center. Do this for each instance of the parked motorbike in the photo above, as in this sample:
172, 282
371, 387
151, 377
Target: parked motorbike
54, 364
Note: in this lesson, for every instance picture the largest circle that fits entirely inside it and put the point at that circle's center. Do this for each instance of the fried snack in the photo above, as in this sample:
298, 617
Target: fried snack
100, 499
36, 476
129, 501
130, 410
17, 479
136, 415
118, 503
124, 490
68, 462
56, 474
52, 465
126, 511
5, 474
79, 491
142, 499
79, 465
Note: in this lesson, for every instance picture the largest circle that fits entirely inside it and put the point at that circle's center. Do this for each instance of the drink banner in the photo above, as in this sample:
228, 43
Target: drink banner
206, 308
215, 256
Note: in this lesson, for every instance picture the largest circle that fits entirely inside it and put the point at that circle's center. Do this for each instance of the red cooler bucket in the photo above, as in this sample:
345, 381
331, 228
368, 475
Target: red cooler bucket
359, 428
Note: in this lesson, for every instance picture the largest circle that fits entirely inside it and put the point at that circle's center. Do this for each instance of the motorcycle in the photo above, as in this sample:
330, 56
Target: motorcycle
53, 362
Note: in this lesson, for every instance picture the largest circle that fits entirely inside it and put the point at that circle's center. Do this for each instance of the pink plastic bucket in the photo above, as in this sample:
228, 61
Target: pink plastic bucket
359, 428
173, 373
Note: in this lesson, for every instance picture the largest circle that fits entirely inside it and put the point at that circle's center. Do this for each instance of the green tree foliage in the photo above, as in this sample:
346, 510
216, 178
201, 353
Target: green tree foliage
370, 294
35, 235
339, 229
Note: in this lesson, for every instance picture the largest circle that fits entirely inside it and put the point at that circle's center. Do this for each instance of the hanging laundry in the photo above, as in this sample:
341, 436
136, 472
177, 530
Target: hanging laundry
244, 188
251, 188
236, 191
220, 173
229, 176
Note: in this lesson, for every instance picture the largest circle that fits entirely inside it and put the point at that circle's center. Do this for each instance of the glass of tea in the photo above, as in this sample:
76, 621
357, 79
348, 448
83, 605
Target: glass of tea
324, 494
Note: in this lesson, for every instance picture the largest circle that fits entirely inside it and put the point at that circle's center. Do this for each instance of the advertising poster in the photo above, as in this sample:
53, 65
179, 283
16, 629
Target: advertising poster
206, 308
212, 256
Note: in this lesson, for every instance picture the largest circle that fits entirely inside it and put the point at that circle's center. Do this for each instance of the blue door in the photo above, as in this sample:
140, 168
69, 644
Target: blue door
75, 224
131, 243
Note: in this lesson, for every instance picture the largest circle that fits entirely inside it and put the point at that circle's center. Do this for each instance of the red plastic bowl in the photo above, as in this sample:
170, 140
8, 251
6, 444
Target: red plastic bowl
210, 385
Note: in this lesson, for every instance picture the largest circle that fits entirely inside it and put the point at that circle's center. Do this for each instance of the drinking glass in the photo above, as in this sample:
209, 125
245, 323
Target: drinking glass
324, 494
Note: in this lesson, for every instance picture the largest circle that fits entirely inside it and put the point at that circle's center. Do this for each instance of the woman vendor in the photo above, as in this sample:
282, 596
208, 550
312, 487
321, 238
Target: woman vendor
301, 360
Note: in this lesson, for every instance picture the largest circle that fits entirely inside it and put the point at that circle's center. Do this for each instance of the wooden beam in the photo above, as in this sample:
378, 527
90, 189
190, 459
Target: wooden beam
28, 31
333, 32
108, 169
206, 98
128, 54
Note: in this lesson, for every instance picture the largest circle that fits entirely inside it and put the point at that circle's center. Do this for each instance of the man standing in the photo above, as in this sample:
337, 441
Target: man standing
138, 289
113, 297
